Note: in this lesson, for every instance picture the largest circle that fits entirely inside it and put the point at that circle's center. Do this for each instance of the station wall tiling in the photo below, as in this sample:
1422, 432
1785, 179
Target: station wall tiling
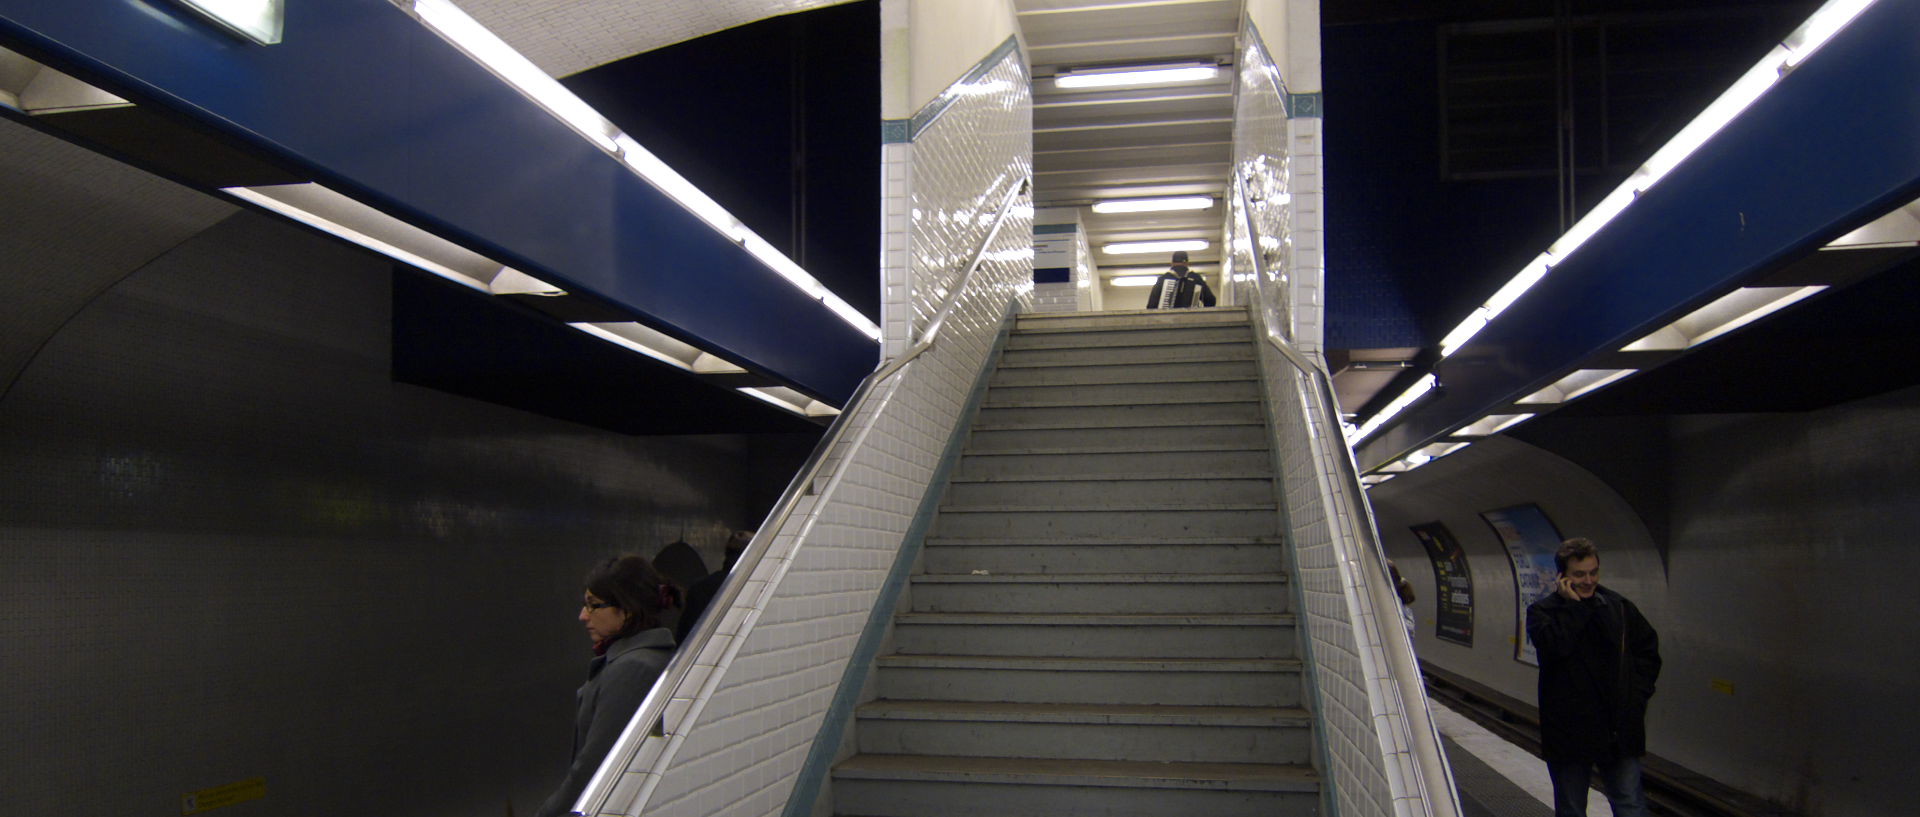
1365, 763
232, 547
739, 750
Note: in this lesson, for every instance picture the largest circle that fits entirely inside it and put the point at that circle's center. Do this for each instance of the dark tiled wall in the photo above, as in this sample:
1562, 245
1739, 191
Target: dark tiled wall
232, 547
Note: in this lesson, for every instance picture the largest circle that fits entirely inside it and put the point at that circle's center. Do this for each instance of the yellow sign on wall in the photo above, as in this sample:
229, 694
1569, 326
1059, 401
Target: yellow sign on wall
219, 796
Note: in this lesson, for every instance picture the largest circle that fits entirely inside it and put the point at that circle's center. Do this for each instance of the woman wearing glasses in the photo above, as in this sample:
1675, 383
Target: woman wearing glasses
624, 600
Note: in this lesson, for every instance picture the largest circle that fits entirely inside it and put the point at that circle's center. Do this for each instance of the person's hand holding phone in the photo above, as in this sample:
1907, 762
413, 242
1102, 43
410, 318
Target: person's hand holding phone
1565, 588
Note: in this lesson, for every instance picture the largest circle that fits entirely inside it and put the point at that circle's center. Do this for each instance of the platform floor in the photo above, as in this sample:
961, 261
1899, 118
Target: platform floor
1495, 778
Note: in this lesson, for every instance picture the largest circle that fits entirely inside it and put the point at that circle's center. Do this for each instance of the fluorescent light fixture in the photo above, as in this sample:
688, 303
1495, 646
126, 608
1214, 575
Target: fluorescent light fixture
1141, 247
790, 400
1418, 390
1135, 75
1153, 205
1517, 286
1816, 31
1438, 450
324, 209
258, 20
1581, 382
1491, 424
511, 281
645, 341
1591, 223
489, 50
1821, 27
1133, 280
1725, 314
1457, 338
1371, 480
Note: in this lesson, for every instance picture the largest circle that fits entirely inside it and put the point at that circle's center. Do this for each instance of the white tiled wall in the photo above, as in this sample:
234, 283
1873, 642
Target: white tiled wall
738, 748
1369, 765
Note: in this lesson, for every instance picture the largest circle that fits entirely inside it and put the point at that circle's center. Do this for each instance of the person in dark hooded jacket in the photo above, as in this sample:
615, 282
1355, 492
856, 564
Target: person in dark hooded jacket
1598, 661
1179, 287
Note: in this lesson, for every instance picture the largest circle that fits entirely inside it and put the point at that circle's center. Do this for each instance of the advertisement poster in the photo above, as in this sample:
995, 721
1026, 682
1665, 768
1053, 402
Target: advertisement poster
1530, 540
1452, 584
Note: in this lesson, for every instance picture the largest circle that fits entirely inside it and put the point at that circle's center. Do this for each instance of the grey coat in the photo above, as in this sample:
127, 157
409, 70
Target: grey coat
616, 684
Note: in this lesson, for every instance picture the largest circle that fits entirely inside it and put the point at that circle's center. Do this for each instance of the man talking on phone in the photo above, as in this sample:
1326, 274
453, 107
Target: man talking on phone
1598, 661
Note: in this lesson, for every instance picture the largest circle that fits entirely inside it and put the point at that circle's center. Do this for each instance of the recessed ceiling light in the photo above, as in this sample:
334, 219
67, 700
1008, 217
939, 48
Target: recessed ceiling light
1135, 75
1153, 205
1132, 247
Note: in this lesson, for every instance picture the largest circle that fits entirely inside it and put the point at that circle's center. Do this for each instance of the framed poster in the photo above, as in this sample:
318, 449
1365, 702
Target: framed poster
1452, 584
1530, 539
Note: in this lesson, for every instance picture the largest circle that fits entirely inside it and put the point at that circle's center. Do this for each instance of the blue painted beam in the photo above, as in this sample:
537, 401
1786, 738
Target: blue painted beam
1836, 142
376, 106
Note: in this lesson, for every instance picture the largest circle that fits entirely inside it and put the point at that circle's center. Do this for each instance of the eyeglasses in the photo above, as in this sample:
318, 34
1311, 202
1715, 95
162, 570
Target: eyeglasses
594, 605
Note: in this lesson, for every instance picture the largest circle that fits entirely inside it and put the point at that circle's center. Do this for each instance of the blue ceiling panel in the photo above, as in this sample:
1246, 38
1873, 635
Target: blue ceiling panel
1832, 145
375, 105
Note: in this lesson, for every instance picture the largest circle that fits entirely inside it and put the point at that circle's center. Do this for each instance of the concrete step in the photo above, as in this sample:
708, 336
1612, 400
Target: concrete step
1059, 556
1167, 734
1071, 521
1134, 355
1043, 462
1129, 318
942, 786
1115, 490
1150, 372
1111, 337
1075, 680
1128, 355
1136, 438
1166, 593
1190, 413
1186, 390
1096, 635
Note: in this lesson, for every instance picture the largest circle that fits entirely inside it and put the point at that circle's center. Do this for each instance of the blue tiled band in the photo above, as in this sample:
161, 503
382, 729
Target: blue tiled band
895, 131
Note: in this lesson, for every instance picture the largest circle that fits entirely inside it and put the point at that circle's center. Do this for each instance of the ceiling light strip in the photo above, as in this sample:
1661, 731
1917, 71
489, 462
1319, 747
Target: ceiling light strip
1153, 205
326, 225
489, 50
1135, 75
1815, 32
1143, 247
1407, 398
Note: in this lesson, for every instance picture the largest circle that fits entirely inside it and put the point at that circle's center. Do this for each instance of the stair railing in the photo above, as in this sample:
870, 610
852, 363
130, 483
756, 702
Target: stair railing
1417, 779
691, 675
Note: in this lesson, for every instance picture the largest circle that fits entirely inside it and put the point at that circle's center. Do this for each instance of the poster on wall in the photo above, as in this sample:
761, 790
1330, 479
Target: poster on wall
1530, 539
1452, 584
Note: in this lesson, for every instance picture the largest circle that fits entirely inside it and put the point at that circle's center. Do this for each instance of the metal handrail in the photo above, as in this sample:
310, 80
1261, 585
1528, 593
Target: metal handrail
1361, 528
652, 709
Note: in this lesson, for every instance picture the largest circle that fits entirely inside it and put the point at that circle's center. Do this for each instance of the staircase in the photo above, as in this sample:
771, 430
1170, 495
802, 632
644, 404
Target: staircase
1100, 623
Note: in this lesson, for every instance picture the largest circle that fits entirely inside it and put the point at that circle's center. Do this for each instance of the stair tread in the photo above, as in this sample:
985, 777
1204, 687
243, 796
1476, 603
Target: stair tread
1100, 578
1071, 541
1163, 400
1084, 713
1103, 507
1064, 425
1083, 364
1126, 773
1101, 619
1176, 447
1263, 474
1073, 664
1198, 378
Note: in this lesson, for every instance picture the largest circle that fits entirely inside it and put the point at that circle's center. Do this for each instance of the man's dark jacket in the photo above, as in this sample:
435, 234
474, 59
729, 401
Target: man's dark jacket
1187, 286
1598, 661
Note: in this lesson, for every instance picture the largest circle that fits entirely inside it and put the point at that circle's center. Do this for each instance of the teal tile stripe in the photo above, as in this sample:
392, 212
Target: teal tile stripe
826, 743
1299, 106
1055, 229
895, 131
